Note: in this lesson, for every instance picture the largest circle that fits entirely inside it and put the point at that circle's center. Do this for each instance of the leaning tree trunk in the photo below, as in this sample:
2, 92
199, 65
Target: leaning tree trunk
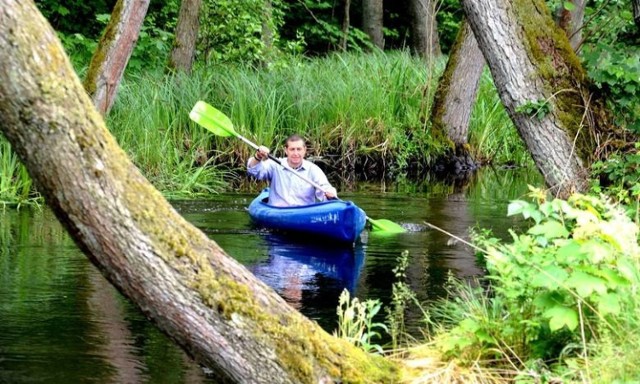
113, 53
456, 96
424, 28
372, 21
571, 21
211, 305
184, 46
542, 86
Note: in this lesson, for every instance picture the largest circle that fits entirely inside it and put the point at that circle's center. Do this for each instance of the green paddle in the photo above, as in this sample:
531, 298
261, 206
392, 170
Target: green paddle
219, 124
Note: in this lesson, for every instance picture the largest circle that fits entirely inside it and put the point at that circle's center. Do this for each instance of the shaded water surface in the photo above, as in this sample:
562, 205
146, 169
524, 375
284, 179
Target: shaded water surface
62, 322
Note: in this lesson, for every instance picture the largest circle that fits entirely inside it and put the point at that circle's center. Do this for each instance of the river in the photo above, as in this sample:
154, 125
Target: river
62, 322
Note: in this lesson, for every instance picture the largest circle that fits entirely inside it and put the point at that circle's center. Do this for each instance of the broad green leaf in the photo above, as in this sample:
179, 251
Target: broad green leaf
570, 252
560, 316
550, 277
551, 229
596, 250
609, 304
585, 284
627, 270
548, 300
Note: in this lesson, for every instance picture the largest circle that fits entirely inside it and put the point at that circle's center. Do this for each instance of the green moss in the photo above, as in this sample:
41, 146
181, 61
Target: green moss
97, 61
559, 67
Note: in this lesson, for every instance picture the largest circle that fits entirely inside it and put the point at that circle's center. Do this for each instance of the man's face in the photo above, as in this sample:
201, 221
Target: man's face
295, 151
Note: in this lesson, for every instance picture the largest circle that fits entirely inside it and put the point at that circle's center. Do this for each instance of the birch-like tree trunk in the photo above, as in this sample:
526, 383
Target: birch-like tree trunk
208, 303
113, 52
372, 21
542, 87
456, 94
184, 46
424, 28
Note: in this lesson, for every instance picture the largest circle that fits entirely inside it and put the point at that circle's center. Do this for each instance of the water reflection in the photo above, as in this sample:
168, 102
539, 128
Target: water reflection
296, 268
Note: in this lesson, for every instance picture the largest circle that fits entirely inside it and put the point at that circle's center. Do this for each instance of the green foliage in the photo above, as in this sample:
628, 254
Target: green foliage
535, 108
232, 31
611, 57
401, 297
570, 277
614, 70
619, 176
356, 324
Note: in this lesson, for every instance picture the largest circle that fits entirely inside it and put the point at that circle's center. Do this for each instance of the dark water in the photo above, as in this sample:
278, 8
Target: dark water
61, 322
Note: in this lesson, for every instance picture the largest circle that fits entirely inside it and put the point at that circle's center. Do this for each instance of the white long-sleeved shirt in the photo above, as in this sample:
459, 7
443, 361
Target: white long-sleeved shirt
286, 189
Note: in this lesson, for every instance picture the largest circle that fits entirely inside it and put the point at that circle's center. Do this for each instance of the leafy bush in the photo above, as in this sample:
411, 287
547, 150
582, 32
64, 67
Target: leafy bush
564, 282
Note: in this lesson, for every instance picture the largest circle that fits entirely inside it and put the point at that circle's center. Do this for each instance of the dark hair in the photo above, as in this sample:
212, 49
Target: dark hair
294, 137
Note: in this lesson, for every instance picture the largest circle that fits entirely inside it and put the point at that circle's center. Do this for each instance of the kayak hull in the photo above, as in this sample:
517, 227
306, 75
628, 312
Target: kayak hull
337, 220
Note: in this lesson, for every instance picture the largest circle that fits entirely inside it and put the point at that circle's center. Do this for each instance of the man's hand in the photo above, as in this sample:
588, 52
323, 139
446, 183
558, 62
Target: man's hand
262, 153
331, 194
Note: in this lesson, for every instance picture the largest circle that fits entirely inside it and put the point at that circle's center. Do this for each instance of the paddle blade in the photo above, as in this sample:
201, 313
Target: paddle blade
212, 119
383, 225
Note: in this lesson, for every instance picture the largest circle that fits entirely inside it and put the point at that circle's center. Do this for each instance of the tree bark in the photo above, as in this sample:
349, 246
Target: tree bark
346, 24
458, 87
372, 21
571, 22
542, 86
214, 308
113, 52
456, 96
184, 47
424, 29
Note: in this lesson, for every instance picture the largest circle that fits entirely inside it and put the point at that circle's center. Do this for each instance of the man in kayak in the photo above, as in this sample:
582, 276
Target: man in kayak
285, 188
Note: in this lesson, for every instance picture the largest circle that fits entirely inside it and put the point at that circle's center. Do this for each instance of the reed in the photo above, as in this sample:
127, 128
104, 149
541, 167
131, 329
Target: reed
16, 187
348, 105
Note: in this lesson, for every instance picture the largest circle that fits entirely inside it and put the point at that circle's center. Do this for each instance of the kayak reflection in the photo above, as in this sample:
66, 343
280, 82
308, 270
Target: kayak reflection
297, 270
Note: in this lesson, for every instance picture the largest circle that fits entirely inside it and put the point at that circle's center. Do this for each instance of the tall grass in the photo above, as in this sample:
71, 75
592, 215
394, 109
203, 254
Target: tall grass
492, 135
348, 105
15, 184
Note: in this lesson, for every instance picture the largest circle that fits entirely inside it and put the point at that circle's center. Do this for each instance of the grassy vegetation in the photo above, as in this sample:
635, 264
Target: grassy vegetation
349, 106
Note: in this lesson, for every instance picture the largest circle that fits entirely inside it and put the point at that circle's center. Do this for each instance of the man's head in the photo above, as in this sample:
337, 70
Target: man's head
295, 148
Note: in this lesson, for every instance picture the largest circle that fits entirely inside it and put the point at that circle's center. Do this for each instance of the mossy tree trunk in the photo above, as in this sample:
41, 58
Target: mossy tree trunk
208, 303
542, 86
372, 21
184, 46
424, 28
114, 50
456, 95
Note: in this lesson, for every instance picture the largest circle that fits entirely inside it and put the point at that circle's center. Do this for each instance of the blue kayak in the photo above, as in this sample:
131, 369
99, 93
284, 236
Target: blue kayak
338, 220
